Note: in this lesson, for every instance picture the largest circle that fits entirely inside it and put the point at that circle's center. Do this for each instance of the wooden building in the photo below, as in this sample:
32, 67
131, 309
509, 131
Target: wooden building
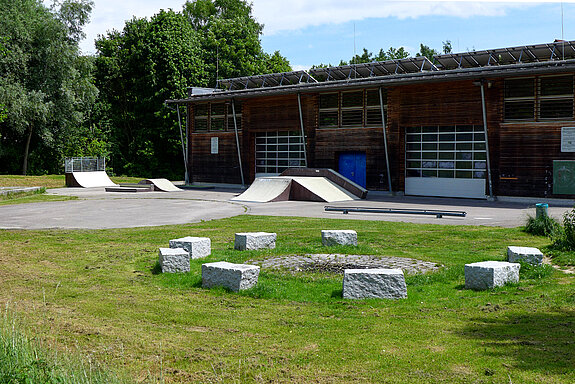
485, 123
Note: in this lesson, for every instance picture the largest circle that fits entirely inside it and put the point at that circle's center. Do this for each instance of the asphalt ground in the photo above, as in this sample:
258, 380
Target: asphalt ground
98, 209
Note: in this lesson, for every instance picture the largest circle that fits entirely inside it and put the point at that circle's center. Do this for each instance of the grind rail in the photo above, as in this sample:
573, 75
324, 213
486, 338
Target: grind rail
431, 212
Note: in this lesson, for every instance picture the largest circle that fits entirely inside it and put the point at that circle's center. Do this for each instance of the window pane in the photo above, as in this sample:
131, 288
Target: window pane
217, 124
429, 164
556, 85
413, 146
201, 110
373, 97
520, 88
374, 117
218, 109
429, 155
447, 174
464, 165
446, 164
328, 119
413, 129
413, 173
446, 155
429, 173
414, 164
463, 174
413, 155
554, 109
352, 99
200, 125
351, 118
328, 100
429, 146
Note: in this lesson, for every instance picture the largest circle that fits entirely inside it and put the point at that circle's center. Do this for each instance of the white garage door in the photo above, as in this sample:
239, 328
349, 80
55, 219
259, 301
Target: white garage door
277, 151
446, 161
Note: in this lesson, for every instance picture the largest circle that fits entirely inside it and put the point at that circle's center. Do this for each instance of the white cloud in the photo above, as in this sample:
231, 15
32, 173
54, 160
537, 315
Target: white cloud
299, 14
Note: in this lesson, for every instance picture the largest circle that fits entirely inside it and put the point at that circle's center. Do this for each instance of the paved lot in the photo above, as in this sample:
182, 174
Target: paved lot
96, 209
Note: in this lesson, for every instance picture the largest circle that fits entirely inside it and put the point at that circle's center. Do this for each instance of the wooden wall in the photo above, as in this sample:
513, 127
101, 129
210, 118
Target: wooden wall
522, 154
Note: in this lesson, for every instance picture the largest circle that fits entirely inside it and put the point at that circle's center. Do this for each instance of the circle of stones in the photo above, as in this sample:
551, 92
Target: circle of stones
337, 263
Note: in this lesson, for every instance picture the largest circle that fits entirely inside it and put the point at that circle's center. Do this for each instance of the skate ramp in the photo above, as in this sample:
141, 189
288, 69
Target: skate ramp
266, 189
89, 179
323, 189
282, 188
164, 185
331, 175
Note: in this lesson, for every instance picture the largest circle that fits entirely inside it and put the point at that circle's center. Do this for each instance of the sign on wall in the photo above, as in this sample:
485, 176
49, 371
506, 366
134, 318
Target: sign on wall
215, 146
568, 139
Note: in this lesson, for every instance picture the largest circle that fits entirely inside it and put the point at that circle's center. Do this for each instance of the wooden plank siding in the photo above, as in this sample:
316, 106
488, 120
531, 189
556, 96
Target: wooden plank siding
521, 153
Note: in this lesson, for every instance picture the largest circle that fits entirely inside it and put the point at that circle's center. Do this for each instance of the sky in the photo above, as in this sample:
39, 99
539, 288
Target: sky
327, 31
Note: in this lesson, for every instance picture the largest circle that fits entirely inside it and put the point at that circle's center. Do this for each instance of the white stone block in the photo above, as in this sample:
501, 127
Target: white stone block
489, 274
376, 283
525, 254
198, 247
338, 237
232, 276
174, 260
255, 240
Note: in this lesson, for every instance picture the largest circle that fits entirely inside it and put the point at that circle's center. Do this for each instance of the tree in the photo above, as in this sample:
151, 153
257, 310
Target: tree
139, 68
424, 50
153, 60
230, 40
45, 85
368, 57
447, 46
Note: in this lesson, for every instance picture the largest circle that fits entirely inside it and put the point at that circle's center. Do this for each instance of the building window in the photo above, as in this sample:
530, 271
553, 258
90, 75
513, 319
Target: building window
556, 97
201, 112
216, 117
350, 109
329, 110
542, 98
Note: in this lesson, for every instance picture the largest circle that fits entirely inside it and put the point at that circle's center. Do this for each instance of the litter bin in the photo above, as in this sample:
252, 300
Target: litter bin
541, 210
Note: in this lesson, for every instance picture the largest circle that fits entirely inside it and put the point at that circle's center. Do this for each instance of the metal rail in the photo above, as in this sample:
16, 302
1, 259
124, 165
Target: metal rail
432, 212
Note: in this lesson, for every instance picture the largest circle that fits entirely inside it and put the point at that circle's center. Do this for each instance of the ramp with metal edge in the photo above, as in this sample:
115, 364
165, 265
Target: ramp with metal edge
282, 188
324, 189
266, 189
89, 179
330, 174
164, 185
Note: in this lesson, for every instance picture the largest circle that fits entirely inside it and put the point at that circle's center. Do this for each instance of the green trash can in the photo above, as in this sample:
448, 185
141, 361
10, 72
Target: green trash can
541, 210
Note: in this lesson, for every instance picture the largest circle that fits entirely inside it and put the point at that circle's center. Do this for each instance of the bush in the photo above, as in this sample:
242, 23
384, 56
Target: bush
565, 240
542, 226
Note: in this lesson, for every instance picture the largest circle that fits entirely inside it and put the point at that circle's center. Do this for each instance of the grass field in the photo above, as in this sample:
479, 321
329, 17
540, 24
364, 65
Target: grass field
51, 181
96, 292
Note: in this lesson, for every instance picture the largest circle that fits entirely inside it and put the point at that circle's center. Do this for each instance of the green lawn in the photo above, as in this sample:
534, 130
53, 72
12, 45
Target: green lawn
51, 181
96, 292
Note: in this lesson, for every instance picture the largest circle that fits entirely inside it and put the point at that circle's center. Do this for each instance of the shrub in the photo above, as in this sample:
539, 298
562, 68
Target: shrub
565, 240
542, 226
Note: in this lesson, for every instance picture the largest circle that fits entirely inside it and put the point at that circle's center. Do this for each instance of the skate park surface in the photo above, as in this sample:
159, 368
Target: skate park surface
97, 209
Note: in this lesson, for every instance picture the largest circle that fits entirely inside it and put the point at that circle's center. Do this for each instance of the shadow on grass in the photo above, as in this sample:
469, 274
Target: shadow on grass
536, 341
337, 294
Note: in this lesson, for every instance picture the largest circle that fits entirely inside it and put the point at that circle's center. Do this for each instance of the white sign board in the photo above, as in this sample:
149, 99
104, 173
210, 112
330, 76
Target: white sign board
568, 139
215, 146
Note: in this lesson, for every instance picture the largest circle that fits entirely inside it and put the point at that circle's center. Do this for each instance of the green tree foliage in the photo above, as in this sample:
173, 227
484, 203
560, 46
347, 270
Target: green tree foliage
447, 48
230, 40
45, 85
139, 68
368, 57
424, 50
153, 60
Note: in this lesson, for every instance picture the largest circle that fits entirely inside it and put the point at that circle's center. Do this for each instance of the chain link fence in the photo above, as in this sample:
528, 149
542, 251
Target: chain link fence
84, 164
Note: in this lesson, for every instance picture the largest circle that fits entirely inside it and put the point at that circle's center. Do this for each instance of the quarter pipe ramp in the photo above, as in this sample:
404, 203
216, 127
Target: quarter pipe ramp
283, 188
89, 179
164, 185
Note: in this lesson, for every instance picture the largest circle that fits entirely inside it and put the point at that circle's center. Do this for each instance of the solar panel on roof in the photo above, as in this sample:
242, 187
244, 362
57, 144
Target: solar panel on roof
376, 68
560, 50
268, 80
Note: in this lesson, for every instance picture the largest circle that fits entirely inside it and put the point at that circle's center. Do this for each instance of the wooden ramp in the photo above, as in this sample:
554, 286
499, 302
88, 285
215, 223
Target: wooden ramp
163, 185
283, 188
89, 179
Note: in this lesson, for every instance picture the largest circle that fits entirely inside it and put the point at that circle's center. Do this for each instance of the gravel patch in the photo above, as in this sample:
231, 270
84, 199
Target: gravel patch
337, 263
